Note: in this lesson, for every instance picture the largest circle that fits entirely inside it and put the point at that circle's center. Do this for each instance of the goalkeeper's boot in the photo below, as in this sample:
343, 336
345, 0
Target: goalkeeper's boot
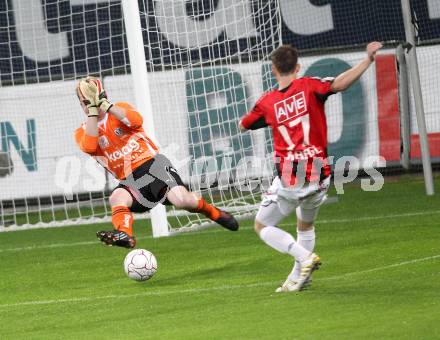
226, 220
116, 238
308, 266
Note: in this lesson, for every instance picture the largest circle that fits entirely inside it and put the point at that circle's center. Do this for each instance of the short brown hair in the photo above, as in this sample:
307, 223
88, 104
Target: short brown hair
285, 58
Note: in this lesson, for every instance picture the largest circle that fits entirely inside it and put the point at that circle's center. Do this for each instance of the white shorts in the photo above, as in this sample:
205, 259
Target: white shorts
279, 201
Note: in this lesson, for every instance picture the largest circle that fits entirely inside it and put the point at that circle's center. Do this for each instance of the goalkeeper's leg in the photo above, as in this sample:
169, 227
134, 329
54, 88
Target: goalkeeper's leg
122, 219
181, 198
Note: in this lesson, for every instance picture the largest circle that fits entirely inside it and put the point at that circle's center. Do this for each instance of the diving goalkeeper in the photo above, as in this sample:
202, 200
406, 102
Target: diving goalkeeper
114, 136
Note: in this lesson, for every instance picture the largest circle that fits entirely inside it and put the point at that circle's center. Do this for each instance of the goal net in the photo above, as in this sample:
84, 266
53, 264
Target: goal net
206, 65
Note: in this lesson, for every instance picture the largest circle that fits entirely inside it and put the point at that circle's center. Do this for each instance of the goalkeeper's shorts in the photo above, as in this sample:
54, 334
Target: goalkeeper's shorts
150, 183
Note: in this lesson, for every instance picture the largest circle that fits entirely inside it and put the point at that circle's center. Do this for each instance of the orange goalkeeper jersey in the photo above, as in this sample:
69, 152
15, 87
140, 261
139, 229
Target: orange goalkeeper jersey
122, 146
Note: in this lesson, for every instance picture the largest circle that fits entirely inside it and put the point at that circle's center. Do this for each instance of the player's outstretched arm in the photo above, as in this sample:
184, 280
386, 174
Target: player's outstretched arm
254, 120
126, 115
88, 141
347, 78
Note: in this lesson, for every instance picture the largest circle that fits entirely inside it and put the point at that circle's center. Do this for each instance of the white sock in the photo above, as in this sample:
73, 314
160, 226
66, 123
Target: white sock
283, 242
307, 240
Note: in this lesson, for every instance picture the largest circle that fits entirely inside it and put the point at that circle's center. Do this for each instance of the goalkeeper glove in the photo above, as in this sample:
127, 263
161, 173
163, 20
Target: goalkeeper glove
103, 102
101, 97
87, 93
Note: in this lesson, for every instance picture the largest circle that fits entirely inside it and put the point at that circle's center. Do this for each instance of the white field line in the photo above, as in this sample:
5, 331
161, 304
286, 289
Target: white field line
211, 230
202, 290
48, 246
380, 217
390, 266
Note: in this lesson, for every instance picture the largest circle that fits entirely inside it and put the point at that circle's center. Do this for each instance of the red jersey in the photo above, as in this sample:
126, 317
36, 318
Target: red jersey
299, 127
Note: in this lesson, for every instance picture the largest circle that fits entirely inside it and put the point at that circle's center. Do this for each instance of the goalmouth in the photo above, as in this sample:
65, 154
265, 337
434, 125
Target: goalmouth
192, 71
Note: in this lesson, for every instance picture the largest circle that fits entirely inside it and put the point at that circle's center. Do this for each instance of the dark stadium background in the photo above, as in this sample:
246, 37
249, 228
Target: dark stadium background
97, 43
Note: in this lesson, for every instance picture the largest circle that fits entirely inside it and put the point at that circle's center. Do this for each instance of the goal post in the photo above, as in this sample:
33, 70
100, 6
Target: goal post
142, 94
416, 86
404, 106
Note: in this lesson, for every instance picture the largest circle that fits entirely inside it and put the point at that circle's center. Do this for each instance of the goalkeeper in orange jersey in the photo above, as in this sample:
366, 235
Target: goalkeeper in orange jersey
114, 136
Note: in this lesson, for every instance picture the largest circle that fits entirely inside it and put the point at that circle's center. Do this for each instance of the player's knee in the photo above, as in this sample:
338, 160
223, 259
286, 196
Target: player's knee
305, 218
120, 196
304, 226
189, 202
182, 198
181, 203
258, 226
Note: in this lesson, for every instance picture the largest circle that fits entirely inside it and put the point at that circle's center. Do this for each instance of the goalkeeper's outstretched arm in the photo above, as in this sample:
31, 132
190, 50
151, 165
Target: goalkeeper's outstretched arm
95, 105
347, 78
122, 111
88, 141
127, 115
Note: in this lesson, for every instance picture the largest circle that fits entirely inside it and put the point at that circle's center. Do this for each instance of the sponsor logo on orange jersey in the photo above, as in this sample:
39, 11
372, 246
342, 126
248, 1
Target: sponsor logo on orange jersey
126, 150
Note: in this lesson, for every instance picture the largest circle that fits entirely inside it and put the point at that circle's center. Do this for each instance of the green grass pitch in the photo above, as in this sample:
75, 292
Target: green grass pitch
380, 279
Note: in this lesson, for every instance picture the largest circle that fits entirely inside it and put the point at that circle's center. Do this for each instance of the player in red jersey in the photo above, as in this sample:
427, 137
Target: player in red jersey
295, 113
114, 136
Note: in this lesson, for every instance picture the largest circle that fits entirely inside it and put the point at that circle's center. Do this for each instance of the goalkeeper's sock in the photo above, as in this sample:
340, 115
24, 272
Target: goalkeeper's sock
283, 242
207, 209
122, 219
307, 240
